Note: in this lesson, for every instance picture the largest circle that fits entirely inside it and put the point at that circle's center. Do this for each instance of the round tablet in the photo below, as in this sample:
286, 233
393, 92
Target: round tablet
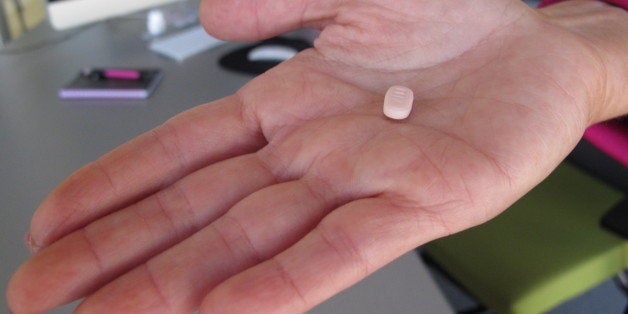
398, 102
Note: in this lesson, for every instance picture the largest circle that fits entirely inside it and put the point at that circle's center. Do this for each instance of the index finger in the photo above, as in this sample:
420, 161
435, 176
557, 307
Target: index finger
187, 142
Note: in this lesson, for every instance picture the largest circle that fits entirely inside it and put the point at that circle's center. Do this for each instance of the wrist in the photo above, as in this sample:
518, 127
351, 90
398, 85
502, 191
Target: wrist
602, 29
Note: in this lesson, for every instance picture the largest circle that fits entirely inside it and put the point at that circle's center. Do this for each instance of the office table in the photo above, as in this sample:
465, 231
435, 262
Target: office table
43, 139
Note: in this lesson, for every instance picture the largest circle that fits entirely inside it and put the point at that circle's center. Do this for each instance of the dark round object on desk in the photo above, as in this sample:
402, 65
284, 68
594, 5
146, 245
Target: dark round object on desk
239, 61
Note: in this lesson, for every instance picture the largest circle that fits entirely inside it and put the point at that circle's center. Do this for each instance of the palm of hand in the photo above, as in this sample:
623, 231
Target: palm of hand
297, 186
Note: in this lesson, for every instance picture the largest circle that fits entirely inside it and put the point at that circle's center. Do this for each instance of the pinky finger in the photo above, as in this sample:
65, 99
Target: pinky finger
348, 245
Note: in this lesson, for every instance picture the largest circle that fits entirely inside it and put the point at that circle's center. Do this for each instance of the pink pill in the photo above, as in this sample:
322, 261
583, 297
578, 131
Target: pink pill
398, 102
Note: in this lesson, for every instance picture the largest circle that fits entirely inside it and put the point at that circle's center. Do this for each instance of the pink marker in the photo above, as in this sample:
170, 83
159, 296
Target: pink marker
122, 74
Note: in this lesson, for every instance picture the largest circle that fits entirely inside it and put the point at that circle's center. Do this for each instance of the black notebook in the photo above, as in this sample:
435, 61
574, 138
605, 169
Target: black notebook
112, 84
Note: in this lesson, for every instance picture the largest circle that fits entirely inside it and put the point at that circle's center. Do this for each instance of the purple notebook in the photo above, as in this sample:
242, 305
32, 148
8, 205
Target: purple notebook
99, 84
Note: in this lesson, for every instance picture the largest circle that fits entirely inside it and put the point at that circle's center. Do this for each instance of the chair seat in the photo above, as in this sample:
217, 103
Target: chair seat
547, 248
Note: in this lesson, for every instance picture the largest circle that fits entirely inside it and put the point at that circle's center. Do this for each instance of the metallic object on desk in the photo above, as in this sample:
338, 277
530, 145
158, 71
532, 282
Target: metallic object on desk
5, 33
19, 8
18, 17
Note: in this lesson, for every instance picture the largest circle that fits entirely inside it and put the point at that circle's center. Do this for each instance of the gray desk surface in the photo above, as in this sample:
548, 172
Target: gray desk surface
43, 139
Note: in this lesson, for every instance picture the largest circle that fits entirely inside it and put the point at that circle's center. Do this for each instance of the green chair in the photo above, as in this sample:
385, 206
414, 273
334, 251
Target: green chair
546, 249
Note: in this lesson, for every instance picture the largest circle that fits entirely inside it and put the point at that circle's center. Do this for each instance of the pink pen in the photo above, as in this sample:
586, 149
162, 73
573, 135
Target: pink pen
121, 74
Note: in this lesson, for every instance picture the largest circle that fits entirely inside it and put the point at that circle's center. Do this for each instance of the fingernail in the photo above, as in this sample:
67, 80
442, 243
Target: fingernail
30, 244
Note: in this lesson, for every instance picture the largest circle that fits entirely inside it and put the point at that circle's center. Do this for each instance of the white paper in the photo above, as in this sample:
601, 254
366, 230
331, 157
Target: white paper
184, 44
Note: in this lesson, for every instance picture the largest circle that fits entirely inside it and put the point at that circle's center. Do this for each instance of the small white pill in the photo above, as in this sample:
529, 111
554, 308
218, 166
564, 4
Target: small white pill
398, 102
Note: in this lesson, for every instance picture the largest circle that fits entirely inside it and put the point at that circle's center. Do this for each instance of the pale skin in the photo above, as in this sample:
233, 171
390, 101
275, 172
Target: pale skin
278, 197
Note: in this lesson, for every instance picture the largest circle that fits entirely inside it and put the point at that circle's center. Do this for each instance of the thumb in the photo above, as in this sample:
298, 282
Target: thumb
259, 19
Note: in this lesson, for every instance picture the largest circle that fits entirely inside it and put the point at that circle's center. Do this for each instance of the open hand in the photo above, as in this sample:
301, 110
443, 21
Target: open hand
276, 198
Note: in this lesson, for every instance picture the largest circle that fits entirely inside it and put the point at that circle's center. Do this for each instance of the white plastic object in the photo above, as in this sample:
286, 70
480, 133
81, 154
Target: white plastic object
398, 102
73, 13
156, 22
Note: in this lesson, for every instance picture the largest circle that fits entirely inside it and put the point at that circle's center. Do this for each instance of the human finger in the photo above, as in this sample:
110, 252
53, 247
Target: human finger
114, 244
255, 229
139, 168
349, 244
